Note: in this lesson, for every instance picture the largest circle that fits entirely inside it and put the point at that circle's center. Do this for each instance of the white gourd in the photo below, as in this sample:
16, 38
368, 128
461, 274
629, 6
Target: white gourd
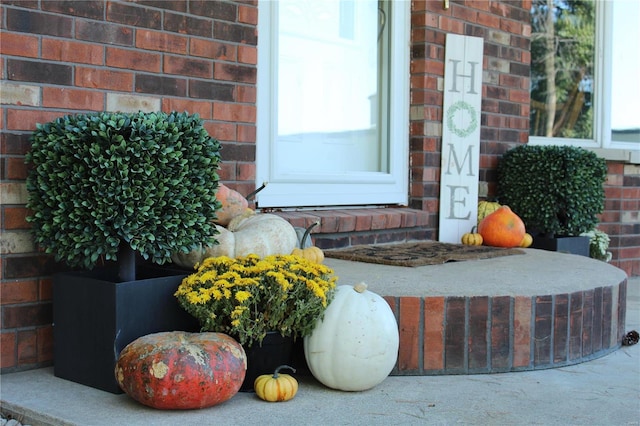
262, 234
355, 346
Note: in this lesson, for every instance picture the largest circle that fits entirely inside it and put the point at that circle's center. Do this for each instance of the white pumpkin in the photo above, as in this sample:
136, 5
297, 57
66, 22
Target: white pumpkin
262, 234
355, 346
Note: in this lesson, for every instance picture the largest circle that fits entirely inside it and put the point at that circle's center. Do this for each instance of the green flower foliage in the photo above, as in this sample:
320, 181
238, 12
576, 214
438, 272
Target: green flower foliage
598, 245
556, 190
147, 180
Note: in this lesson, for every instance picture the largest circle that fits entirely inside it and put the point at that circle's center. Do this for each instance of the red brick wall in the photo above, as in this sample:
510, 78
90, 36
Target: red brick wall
505, 89
621, 218
198, 55
62, 57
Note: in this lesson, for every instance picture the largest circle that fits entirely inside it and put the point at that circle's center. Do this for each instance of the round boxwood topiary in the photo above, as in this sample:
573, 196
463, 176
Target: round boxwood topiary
556, 190
141, 182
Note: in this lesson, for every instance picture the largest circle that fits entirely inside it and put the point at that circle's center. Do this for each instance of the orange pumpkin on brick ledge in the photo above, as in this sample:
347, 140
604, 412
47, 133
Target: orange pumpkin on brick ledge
502, 228
233, 204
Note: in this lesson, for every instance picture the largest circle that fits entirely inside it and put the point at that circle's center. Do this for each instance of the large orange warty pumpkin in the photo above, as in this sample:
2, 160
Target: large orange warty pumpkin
177, 370
502, 228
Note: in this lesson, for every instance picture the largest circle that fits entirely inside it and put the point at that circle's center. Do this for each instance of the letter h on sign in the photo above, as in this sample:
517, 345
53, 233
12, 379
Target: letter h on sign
454, 81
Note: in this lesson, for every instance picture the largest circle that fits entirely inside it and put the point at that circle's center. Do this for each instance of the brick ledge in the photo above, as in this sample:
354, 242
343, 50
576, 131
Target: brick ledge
345, 227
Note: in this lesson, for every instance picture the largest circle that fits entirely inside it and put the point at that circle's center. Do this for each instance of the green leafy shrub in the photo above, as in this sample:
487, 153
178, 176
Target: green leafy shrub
556, 190
145, 182
598, 245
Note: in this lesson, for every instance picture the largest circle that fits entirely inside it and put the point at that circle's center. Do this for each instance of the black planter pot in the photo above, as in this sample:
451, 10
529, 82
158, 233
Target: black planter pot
298, 359
274, 351
95, 317
571, 245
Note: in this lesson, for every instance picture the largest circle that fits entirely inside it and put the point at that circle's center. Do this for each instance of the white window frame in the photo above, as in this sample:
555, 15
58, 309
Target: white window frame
601, 144
396, 192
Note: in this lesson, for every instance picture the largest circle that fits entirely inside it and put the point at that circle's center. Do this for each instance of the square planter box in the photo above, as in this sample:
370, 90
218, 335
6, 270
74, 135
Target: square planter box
95, 317
571, 245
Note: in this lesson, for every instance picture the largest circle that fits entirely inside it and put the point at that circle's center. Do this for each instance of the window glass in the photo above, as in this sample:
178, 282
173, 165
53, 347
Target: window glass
563, 68
625, 72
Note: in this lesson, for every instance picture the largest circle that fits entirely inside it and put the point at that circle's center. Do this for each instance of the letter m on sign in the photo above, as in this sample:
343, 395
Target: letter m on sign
460, 161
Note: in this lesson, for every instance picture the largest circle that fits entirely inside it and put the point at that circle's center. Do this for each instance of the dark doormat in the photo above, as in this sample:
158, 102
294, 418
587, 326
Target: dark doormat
419, 253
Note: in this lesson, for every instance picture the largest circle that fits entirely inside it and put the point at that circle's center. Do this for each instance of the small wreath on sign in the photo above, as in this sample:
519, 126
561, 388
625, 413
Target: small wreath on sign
451, 112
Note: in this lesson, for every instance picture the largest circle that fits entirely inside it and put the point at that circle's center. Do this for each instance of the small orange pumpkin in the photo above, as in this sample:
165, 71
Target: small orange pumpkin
472, 238
502, 228
311, 253
276, 387
526, 241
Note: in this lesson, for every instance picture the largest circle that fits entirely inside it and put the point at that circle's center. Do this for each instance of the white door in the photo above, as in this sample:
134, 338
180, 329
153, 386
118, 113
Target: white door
332, 102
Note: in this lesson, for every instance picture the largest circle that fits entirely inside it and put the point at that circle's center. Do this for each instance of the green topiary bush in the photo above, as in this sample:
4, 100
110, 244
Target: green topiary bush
556, 190
142, 182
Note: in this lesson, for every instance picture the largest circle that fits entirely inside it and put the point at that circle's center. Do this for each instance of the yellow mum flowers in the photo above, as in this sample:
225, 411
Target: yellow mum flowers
248, 296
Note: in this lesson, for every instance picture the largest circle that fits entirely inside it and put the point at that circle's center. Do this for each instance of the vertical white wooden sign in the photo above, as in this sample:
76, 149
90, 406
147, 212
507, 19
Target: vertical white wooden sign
460, 163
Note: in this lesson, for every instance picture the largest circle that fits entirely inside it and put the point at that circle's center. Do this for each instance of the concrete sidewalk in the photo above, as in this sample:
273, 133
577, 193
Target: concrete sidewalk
604, 391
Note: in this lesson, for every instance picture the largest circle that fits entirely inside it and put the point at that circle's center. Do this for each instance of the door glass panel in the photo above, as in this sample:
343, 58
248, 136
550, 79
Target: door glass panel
329, 88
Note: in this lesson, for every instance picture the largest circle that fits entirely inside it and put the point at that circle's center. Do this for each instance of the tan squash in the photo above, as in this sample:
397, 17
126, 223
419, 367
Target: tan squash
262, 234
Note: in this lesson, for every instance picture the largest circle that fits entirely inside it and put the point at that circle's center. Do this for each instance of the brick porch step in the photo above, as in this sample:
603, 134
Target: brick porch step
346, 227
513, 313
